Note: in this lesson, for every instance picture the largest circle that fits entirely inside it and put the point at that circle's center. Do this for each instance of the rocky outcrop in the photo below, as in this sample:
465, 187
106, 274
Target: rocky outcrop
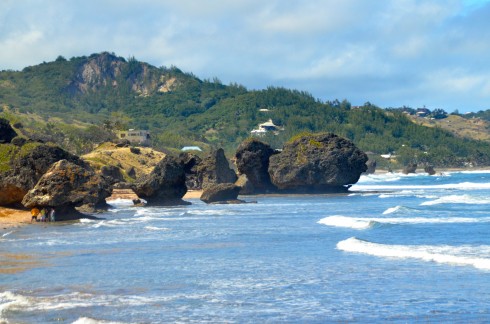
371, 167
410, 168
26, 165
165, 185
112, 174
66, 186
191, 163
7, 133
429, 169
246, 187
317, 163
252, 160
214, 169
221, 193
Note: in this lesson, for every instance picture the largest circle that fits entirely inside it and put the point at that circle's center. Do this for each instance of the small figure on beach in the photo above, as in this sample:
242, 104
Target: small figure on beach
52, 215
43, 215
34, 214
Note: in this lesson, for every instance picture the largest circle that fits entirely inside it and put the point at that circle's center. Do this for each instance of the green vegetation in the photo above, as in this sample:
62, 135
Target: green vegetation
80, 102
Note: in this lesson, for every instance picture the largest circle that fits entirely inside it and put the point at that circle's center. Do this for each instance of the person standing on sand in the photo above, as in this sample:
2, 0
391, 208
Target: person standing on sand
34, 214
52, 215
43, 215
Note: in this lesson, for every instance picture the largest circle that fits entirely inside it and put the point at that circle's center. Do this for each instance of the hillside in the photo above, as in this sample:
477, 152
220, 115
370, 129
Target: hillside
472, 128
80, 102
141, 161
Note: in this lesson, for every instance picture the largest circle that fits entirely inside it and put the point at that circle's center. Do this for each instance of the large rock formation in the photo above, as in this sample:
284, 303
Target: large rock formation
317, 163
221, 193
410, 168
67, 185
165, 185
215, 168
429, 169
252, 159
22, 167
7, 133
191, 162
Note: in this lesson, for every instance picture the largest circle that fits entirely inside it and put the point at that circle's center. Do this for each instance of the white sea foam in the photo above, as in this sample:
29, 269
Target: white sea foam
87, 320
154, 228
365, 223
343, 221
458, 186
458, 199
477, 256
119, 202
7, 234
392, 210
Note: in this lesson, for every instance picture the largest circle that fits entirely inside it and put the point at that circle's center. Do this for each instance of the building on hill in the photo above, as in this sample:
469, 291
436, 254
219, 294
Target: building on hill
141, 137
268, 126
191, 148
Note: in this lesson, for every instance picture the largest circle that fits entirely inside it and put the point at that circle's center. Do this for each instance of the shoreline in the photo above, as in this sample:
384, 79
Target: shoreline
16, 217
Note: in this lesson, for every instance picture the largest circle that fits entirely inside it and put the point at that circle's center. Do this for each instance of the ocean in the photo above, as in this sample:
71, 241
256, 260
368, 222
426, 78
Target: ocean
396, 248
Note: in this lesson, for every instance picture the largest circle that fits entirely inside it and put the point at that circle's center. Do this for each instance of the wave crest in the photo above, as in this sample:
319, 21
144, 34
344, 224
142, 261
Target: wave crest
463, 256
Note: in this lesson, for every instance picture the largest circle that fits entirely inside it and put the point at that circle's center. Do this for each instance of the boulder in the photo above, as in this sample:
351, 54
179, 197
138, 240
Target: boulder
7, 133
66, 186
26, 165
215, 168
429, 169
220, 193
123, 143
371, 167
410, 168
112, 174
252, 160
246, 187
191, 162
165, 185
317, 163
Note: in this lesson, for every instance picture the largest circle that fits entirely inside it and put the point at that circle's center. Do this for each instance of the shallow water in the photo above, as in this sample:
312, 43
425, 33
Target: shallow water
396, 248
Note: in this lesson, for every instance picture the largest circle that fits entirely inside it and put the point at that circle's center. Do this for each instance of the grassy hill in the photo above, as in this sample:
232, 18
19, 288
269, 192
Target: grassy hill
80, 102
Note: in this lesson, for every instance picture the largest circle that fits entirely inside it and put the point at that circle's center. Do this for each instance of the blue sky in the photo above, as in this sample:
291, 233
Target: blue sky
388, 52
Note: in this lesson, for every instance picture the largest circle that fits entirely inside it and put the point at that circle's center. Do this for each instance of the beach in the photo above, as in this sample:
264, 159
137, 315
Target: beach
14, 217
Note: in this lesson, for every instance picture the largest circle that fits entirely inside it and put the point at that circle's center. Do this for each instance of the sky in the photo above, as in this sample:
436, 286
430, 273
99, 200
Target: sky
391, 53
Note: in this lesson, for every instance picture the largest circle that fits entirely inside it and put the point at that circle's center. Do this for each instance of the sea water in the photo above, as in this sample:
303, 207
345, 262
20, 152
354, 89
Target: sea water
396, 248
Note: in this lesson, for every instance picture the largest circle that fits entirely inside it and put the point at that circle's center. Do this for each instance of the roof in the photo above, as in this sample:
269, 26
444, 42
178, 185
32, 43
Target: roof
191, 148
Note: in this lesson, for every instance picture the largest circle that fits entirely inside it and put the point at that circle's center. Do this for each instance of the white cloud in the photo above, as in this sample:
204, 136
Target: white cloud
387, 52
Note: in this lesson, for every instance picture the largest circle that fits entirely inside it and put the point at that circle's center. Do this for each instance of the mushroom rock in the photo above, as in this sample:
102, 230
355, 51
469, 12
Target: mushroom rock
316, 163
252, 160
66, 186
165, 185
215, 168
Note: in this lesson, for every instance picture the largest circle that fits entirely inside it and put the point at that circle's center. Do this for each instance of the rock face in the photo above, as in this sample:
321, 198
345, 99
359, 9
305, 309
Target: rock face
26, 167
214, 168
191, 163
252, 160
317, 163
410, 168
112, 174
165, 185
429, 169
7, 133
371, 167
221, 192
67, 185
246, 187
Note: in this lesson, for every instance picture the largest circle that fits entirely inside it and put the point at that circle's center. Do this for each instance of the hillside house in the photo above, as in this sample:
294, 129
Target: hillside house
140, 137
268, 126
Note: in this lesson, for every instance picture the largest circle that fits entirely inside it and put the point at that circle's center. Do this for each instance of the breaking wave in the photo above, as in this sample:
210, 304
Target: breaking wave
365, 223
475, 256
458, 199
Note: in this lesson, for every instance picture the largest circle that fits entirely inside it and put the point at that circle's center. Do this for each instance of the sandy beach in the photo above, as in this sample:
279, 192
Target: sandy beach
11, 217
